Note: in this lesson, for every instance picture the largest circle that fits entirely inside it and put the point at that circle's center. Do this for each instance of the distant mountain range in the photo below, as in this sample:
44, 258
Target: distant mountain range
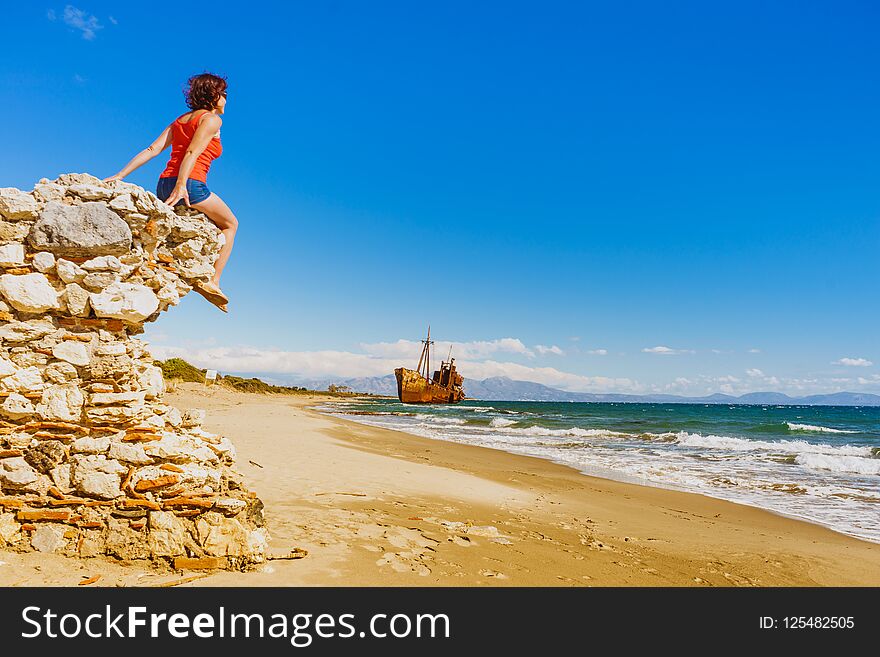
502, 388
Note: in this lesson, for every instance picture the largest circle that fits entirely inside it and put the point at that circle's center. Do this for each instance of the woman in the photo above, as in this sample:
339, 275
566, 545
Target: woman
194, 138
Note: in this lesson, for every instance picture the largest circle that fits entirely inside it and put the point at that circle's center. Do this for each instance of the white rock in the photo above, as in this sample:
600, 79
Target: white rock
16, 407
169, 295
95, 476
62, 402
111, 349
15, 472
121, 187
28, 379
16, 204
258, 543
60, 372
68, 271
231, 505
60, 475
48, 539
96, 281
221, 536
88, 445
24, 358
115, 414
9, 527
167, 536
151, 381
6, 367
48, 191
129, 452
44, 261
193, 417
127, 301
177, 447
191, 248
32, 329
77, 300
155, 421
30, 293
11, 255
105, 398
102, 263
173, 417
75, 353
90, 192
225, 448
123, 203
68, 179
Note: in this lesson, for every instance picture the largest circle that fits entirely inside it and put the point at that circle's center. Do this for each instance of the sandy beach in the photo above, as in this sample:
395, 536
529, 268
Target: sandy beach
375, 507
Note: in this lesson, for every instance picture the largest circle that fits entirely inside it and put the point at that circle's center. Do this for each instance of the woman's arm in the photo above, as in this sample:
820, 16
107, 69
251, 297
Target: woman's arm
210, 124
162, 142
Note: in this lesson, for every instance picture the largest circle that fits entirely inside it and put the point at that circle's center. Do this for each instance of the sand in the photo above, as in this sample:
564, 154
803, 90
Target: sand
375, 507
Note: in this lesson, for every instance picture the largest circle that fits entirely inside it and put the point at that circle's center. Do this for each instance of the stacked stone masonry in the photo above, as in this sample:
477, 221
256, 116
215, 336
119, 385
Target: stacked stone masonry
92, 462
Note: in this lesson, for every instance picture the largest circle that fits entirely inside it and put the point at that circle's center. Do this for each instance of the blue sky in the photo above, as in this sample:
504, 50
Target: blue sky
678, 197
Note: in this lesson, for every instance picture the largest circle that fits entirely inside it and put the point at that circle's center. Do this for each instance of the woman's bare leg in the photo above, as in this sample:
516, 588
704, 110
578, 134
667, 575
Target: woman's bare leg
219, 213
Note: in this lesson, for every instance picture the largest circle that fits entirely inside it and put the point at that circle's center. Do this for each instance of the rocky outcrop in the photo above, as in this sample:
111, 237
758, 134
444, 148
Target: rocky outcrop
92, 462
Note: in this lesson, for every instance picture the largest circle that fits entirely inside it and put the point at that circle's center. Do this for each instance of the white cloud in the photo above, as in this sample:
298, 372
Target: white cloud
113, 20
475, 350
575, 338
277, 361
50, 14
598, 352
666, 351
754, 351
853, 362
543, 350
317, 364
78, 19
754, 372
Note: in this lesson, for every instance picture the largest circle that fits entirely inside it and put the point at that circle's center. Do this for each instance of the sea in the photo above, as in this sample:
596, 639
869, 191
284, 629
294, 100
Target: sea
816, 463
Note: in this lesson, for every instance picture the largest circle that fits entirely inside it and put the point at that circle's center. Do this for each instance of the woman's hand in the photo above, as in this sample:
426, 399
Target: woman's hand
178, 194
114, 177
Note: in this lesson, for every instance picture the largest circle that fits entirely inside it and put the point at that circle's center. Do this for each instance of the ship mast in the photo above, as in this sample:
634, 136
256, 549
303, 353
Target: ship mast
426, 356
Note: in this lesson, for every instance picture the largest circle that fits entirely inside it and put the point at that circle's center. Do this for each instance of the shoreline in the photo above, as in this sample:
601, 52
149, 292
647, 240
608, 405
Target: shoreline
379, 507
612, 475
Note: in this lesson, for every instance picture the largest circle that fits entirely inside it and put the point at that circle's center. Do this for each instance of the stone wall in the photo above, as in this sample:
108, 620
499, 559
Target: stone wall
92, 462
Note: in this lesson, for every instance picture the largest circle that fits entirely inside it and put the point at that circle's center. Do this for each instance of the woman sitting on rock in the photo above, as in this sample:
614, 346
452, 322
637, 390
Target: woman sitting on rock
194, 138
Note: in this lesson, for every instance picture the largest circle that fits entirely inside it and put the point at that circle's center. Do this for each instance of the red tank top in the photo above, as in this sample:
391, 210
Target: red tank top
181, 136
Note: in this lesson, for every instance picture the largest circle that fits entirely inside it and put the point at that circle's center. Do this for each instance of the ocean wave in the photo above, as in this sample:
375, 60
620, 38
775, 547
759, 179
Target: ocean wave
742, 444
571, 431
812, 428
501, 422
439, 419
834, 463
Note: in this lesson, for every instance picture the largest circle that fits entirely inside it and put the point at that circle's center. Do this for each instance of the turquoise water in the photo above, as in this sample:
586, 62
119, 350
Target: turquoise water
818, 463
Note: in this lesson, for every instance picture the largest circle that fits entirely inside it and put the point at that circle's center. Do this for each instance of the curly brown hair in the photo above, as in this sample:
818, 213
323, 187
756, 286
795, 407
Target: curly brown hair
203, 91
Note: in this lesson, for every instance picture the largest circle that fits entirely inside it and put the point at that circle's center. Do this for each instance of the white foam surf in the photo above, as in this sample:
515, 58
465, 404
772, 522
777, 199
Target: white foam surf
812, 428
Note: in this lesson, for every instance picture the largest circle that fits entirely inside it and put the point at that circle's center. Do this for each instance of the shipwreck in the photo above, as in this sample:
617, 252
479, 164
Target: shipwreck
416, 387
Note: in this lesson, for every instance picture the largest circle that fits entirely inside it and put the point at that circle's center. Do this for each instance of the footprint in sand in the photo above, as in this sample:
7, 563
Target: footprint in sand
404, 563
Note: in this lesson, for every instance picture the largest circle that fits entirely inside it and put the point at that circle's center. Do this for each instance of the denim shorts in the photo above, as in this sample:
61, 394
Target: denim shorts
197, 190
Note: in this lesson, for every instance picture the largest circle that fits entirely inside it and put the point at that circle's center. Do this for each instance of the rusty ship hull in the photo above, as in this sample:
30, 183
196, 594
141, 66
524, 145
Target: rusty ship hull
414, 388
